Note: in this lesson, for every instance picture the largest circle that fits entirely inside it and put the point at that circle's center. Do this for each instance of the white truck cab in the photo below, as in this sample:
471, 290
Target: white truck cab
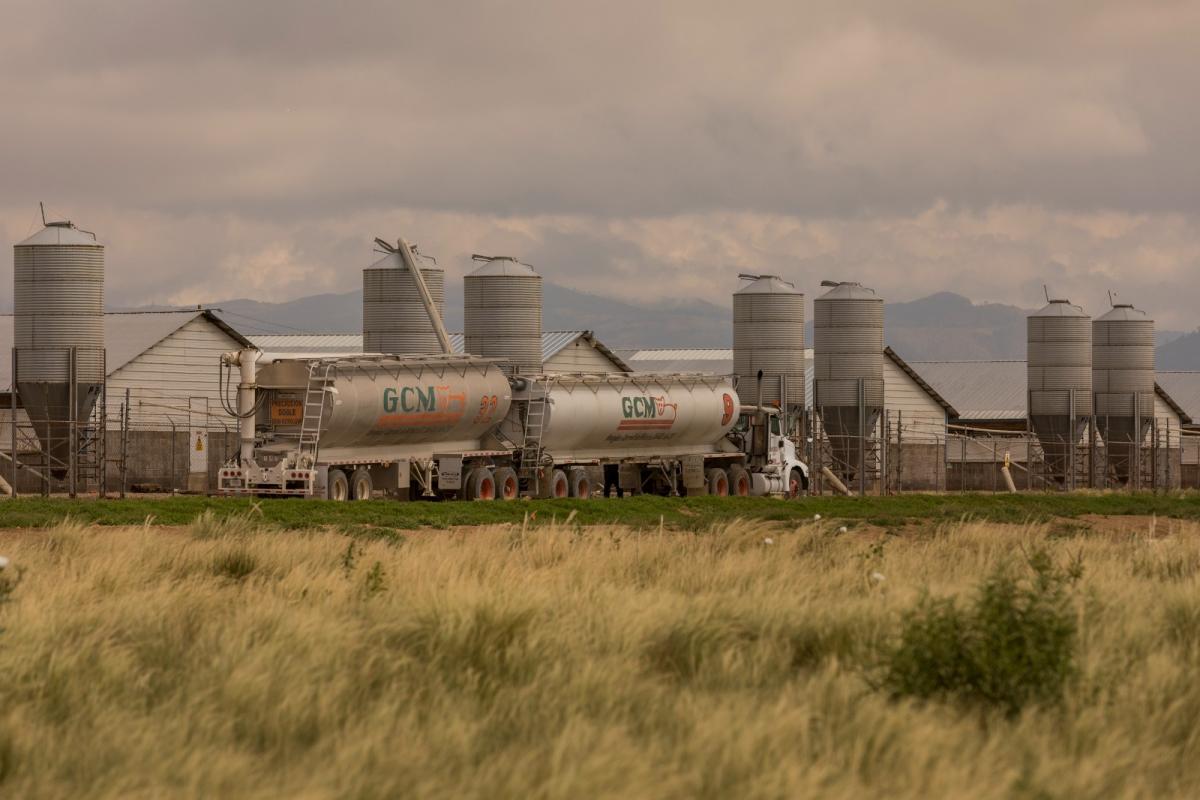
772, 456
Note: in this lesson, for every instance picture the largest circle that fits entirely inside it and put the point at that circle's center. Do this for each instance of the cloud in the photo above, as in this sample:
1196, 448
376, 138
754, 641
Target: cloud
225, 148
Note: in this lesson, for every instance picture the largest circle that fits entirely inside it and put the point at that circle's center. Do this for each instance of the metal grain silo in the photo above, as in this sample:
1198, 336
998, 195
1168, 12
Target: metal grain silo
1123, 384
768, 335
502, 311
1059, 368
58, 333
394, 317
848, 369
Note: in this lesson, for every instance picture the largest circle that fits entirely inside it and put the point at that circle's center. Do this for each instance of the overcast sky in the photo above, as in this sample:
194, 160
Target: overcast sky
253, 149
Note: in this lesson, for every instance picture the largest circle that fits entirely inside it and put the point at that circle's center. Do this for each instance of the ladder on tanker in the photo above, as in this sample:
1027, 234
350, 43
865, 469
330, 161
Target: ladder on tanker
314, 409
535, 422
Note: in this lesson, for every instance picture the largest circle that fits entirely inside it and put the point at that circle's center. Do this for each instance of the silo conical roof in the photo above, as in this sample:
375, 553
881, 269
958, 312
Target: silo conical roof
60, 234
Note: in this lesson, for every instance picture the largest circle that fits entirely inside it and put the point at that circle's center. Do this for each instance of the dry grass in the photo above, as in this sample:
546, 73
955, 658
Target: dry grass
568, 662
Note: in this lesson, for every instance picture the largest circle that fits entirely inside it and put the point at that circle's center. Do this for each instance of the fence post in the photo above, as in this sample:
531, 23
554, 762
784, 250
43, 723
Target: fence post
12, 409
962, 464
124, 443
72, 419
102, 444
862, 437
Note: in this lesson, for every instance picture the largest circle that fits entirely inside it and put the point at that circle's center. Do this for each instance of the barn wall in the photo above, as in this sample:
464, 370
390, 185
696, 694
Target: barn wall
580, 356
163, 380
922, 418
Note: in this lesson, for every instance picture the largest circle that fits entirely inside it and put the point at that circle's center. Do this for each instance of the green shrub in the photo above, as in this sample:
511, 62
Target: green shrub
1012, 645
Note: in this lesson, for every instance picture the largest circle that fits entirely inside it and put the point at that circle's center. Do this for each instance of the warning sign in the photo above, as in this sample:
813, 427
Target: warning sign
198, 461
287, 412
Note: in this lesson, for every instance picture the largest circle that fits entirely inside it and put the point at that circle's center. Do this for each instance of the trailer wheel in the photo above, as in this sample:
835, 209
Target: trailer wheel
481, 484
718, 482
361, 487
559, 487
338, 486
579, 484
739, 481
507, 485
796, 483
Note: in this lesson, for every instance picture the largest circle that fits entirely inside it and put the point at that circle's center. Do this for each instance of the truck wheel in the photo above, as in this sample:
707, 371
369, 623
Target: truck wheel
338, 486
481, 484
739, 481
718, 482
507, 485
795, 485
578, 484
361, 487
558, 484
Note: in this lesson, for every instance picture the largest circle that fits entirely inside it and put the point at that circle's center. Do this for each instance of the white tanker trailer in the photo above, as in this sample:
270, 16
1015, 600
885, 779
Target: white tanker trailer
458, 426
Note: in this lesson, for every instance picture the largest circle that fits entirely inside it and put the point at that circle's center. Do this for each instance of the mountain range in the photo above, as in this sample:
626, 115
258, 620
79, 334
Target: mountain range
941, 327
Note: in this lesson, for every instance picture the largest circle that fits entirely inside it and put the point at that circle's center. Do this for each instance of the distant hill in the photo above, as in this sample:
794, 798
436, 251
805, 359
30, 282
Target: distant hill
941, 327
1180, 354
618, 324
949, 327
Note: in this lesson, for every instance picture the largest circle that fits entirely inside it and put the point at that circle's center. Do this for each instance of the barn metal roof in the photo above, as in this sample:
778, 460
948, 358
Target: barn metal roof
283, 345
127, 334
920, 381
979, 390
1184, 389
996, 390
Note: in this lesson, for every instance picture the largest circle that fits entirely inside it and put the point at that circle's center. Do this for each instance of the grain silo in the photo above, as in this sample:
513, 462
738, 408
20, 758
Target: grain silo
58, 335
395, 320
1059, 366
1123, 385
848, 371
502, 310
768, 336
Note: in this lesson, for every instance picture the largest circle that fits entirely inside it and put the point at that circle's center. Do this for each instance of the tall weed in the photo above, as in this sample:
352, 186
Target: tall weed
1012, 645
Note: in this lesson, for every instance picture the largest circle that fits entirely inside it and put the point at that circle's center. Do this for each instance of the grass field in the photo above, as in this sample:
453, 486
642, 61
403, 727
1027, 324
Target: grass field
243, 656
695, 514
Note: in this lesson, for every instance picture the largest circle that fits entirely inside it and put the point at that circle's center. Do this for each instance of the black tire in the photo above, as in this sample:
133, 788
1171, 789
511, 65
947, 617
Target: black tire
718, 482
337, 486
361, 486
559, 486
579, 485
739, 481
796, 483
481, 485
508, 487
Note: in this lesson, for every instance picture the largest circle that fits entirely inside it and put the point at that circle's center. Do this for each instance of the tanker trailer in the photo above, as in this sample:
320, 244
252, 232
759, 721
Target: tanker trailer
357, 427
364, 426
670, 434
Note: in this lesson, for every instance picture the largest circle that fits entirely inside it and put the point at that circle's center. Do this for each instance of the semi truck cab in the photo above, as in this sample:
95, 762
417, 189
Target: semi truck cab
771, 455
